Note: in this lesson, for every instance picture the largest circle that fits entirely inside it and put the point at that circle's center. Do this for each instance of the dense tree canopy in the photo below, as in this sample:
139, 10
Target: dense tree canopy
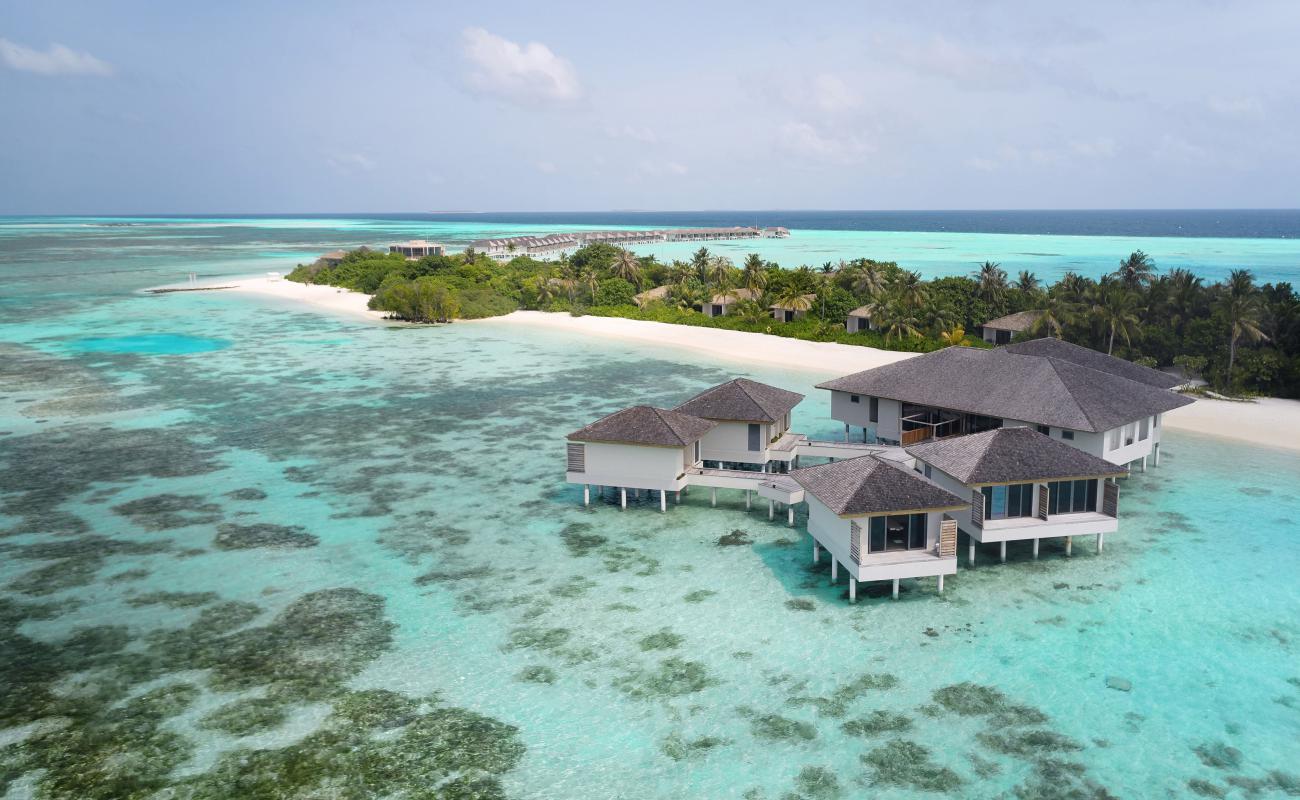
1236, 334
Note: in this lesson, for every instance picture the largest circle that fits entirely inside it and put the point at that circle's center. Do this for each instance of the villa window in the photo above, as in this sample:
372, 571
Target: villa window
1015, 500
1130, 430
1071, 497
873, 412
853, 398
1067, 435
1046, 430
897, 532
1142, 428
927, 470
755, 437
1113, 444
697, 450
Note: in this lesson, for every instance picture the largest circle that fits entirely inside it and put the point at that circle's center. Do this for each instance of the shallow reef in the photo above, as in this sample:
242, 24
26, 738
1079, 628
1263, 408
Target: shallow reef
906, 764
262, 534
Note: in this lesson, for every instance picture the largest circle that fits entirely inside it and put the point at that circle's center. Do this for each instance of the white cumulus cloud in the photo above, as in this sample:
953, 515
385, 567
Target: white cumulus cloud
57, 60
804, 140
529, 74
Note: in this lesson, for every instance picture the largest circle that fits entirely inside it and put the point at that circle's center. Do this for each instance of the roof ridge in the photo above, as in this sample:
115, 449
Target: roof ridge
659, 412
1052, 362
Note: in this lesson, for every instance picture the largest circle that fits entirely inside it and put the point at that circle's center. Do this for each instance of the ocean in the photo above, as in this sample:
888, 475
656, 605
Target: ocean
256, 549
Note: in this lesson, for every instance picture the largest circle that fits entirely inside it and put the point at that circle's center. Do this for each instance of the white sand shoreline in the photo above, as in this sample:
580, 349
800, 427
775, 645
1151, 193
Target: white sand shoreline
1269, 422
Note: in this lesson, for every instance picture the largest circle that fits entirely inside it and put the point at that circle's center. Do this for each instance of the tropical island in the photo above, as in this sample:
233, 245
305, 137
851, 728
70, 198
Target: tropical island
1240, 337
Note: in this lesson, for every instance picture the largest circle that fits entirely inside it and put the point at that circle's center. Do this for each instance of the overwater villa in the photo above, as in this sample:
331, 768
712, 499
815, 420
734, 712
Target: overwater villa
880, 521
751, 425
1003, 329
1022, 443
1100, 404
511, 246
721, 304
1021, 485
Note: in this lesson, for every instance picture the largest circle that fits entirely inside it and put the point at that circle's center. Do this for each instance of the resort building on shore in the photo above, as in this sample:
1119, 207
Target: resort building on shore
333, 258
784, 312
416, 249
659, 293
1003, 329
880, 521
511, 246
751, 424
720, 304
1097, 403
1021, 485
860, 320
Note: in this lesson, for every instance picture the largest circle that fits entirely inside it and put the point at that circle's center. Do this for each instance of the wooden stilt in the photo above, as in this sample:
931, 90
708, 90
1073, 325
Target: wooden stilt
835, 570
1069, 545
1004, 552
622, 498
790, 521
940, 584
1035, 548
663, 500
1101, 541
586, 494
895, 588
853, 589
771, 509
970, 554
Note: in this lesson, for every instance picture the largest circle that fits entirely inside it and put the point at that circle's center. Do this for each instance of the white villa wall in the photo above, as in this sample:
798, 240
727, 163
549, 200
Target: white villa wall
832, 532
729, 441
634, 466
858, 414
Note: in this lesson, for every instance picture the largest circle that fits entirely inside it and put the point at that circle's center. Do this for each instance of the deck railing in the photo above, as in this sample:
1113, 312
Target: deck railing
977, 509
1110, 499
948, 537
577, 457
914, 436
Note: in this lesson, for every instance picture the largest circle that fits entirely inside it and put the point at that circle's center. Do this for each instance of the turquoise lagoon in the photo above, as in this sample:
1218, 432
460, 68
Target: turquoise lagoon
322, 507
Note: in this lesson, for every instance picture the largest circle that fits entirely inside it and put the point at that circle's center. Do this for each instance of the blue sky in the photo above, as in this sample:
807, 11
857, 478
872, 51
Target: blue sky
118, 107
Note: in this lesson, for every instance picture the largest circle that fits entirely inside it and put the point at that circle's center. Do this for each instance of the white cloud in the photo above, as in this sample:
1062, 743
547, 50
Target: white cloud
529, 74
803, 140
1101, 147
636, 134
656, 169
832, 95
547, 167
1179, 150
348, 163
1236, 106
57, 60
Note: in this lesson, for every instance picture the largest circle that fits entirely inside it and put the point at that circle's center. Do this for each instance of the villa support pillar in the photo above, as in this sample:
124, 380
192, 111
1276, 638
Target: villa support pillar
586, 494
1101, 541
622, 499
1155, 450
790, 520
748, 500
663, 500
846, 432
853, 589
817, 551
713, 496
895, 588
1004, 552
1144, 463
1035, 548
677, 497
835, 570
771, 509
940, 584
1069, 545
970, 554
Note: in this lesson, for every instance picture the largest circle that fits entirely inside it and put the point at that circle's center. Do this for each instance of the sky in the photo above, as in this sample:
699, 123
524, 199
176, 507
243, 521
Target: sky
154, 107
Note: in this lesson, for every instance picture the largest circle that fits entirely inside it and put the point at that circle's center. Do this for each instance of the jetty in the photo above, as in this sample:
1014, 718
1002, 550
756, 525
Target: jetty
552, 243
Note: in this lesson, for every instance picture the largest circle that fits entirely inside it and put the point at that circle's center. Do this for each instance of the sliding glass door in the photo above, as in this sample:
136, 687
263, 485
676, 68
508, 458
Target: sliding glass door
897, 532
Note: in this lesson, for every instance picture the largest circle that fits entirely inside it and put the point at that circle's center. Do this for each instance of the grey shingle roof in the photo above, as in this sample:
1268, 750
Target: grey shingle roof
1013, 385
741, 400
1019, 321
1010, 455
646, 425
1086, 357
872, 485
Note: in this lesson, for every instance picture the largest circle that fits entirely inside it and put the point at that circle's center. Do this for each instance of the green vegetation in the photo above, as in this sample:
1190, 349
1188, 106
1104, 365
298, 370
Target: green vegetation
1238, 335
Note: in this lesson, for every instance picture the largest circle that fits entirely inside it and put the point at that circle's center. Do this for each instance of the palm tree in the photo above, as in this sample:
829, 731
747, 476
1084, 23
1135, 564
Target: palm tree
992, 282
1073, 286
867, 279
1241, 307
1055, 311
910, 289
1027, 282
718, 272
627, 267
1117, 310
1181, 292
755, 274
700, 261
545, 294
793, 298
751, 311
940, 318
590, 280
899, 320
956, 337
569, 276
1136, 271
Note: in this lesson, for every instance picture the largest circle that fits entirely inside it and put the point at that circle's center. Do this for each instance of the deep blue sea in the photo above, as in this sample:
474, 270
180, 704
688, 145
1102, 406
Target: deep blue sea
247, 550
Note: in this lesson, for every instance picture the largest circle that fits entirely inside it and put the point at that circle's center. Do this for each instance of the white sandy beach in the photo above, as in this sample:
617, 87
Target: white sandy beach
1270, 422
